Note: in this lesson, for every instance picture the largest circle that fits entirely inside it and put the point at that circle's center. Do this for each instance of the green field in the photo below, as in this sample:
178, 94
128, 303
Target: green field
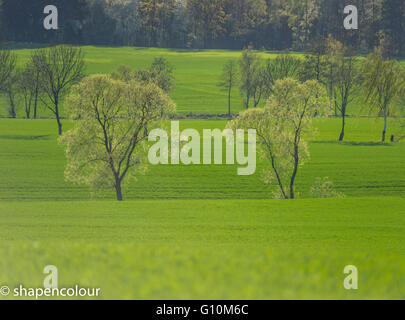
228, 249
203, 232
178, 247
196, 75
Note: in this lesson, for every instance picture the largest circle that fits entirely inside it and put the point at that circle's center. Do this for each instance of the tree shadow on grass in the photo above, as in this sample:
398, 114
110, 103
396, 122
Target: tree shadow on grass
24, 137
356, 144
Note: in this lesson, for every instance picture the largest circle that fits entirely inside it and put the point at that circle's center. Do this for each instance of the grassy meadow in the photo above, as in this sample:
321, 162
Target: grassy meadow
203, 232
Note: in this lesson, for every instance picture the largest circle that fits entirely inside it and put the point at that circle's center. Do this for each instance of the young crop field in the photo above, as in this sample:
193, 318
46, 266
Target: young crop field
202, 231
187, 223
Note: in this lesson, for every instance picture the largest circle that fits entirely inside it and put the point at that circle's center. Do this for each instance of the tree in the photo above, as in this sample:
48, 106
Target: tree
347, 79
158, 21
27, 84
7, 66
33, 84
250, 67
334, 52
10, 88
99, 27
280, 127
228, 80
59, 68
282, 67
207, 19
315, 63
160, 72
392, 26
107, 146
1, 21
8, 77
383, 82
125, 14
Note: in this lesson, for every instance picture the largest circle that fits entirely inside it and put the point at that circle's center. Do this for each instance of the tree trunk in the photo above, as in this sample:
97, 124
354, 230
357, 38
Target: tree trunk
296, 161
59, 125
229, 102
35, 104
342, 133
12, 105
118, 190
385, 125
58, 117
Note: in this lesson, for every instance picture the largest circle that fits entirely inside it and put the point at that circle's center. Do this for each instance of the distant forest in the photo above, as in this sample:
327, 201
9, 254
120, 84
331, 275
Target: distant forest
195, 24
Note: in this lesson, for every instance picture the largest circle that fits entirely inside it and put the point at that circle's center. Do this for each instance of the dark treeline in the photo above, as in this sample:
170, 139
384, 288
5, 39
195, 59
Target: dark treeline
232, 24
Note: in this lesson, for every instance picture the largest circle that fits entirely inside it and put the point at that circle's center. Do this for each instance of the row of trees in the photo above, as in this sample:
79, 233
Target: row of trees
273, 24
334, 66
47, 77
108, 146
292, 105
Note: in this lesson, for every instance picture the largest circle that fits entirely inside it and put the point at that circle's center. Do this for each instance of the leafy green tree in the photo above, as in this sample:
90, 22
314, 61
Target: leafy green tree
383, 82
107, 146
229, 79
280, 128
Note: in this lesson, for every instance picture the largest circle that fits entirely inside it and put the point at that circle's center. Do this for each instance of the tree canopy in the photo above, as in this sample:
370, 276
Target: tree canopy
107, 146
232, 24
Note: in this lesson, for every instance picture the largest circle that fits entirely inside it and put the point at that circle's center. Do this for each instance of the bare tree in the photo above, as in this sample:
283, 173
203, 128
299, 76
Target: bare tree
334, 52
346, 80
7, 78
282, 67
228, 80
59, 68
10, 88
35, 85
27, 88
250, 66
7, 65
